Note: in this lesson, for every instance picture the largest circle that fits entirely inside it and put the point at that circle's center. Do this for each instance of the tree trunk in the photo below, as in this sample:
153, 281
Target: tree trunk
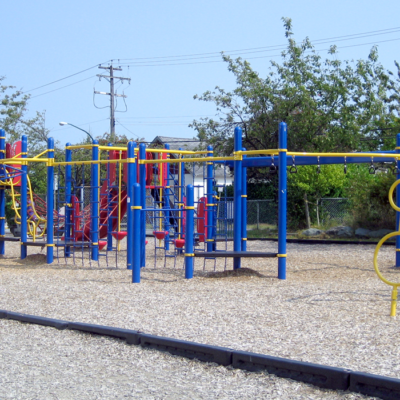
307, 211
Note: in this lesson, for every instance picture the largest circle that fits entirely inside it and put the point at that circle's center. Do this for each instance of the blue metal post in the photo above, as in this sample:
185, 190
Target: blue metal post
282, 198
181, 214
210, 202
2, 192
132, 176
94, 236
237, 200
166, 203
68, 200
244, 206
24, 195
398, 203
142, 179
109, 205
189, 247
50, 201
137, 239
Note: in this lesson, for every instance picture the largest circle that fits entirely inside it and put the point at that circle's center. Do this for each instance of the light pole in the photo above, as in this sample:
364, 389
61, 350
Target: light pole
77, 127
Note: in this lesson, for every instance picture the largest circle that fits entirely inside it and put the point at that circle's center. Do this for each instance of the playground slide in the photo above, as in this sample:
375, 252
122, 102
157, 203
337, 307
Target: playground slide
104, 215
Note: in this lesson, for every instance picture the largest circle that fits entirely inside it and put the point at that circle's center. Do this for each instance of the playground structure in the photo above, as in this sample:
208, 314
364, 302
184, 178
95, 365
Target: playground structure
145, 184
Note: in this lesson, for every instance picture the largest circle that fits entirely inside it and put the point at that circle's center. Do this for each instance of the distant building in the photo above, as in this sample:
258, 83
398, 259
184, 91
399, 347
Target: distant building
194, 176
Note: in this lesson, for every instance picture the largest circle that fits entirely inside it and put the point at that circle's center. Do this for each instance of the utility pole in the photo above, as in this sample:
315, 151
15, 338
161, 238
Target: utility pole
112, 95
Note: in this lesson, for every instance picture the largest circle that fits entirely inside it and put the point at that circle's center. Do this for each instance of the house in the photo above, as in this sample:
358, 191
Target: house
194, 173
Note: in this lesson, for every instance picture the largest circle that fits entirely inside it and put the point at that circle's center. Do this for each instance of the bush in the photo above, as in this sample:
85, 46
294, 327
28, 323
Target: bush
369, 202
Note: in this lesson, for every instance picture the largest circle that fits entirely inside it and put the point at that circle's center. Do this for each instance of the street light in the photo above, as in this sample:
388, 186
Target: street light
77, 127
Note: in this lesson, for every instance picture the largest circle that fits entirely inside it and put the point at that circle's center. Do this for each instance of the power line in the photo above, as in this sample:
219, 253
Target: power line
61, 79
62, 87
175, 116
119, 123
253, 58
171, 60
261, 49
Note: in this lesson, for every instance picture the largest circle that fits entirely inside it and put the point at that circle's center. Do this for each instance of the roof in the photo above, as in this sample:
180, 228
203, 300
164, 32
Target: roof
176, 143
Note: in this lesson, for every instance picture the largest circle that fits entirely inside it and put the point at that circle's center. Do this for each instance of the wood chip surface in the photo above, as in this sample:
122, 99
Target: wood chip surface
332, 309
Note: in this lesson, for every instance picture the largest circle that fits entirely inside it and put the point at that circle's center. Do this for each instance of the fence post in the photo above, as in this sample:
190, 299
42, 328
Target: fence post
189, 248
282, 195
258, 215
237, 200
2, 191
50, 201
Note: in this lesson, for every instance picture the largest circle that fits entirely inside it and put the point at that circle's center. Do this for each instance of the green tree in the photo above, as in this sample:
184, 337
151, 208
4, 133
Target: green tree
329, 105
309, 185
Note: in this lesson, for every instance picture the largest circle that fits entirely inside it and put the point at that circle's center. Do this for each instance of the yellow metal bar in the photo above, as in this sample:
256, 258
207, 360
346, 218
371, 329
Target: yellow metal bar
271, 151
194, 159
82, 146
393, 305
40, 154
281, 255
108, 148
170, 151
22, 161
384, 155
88, 162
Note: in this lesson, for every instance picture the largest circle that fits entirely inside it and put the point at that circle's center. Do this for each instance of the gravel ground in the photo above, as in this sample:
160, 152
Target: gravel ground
332, 310
43, 363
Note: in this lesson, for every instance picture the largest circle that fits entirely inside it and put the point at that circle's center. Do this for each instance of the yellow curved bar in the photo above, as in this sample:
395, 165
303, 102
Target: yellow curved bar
395, 285
391, 190
378, 246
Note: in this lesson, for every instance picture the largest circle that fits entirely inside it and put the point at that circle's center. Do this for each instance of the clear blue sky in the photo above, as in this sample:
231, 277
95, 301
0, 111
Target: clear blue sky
43, 41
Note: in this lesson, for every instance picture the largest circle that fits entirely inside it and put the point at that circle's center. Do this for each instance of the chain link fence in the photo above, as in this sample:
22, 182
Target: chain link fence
261, 214
332, 209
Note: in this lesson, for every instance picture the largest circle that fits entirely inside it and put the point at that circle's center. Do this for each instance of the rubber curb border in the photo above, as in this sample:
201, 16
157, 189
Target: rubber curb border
315, 374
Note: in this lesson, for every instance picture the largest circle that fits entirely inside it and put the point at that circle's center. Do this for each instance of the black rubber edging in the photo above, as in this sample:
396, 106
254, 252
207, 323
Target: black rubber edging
203, 352
33, 319
315, 374
318, 375
131, 337
375, 385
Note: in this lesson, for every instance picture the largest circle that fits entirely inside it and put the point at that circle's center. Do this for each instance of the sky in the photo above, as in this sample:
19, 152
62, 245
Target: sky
170, 50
